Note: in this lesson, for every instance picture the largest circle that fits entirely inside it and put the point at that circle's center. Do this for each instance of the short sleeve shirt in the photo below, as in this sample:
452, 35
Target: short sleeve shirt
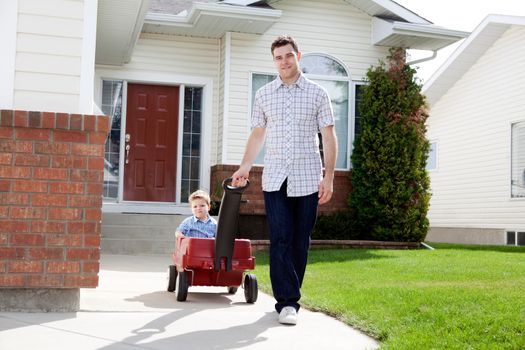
293, 116
193, 227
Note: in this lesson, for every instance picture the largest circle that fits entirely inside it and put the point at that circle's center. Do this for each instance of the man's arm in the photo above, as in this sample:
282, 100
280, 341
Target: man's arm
253, 146
326, 187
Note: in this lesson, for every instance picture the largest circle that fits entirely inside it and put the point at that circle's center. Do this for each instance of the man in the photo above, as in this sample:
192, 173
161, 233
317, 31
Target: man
289, 112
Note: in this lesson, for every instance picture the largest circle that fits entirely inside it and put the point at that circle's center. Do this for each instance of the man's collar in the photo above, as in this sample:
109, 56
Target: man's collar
277, 83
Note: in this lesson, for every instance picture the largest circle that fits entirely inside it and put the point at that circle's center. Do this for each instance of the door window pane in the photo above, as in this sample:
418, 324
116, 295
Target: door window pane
191, 142
112, 106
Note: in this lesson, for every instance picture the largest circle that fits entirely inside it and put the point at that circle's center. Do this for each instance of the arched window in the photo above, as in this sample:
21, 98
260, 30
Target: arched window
332, 75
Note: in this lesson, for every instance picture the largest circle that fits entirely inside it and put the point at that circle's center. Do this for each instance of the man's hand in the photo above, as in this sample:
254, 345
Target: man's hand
240, 177
326, 189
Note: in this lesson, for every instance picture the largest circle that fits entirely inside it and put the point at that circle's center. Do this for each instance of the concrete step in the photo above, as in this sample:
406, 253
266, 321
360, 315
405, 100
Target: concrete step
137, 246
136, 234
141, 219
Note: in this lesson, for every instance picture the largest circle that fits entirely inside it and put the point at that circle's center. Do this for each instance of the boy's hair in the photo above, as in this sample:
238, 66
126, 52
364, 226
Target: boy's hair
199, 194
283, 40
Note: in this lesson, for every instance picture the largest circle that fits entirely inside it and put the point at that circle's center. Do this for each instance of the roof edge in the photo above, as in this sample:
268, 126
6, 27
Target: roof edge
442, 70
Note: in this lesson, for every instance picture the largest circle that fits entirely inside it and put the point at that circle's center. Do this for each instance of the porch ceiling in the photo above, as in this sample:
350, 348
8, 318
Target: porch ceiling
212, 20
119, 23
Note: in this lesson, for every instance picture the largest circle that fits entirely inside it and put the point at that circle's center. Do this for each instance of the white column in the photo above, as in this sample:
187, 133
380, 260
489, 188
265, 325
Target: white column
8, 35
89, 42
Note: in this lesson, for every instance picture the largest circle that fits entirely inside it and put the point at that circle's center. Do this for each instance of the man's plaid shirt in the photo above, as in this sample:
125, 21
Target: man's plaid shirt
293, 116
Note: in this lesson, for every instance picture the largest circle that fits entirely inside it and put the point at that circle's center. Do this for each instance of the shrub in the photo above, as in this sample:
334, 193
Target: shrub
339, 225
390, 193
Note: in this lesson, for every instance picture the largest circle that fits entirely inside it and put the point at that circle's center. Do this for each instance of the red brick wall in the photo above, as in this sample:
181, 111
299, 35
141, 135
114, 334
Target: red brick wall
51, 175
254, 195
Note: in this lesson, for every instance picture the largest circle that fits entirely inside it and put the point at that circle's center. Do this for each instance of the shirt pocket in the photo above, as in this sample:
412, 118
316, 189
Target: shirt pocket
306, 115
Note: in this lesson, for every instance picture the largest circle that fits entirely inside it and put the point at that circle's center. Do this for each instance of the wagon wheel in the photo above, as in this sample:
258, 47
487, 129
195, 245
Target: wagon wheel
232, 290
250, 288
182, 286
172, 277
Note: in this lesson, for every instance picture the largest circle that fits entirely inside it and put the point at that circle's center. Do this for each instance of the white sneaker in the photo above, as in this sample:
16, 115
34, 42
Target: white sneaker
288, 315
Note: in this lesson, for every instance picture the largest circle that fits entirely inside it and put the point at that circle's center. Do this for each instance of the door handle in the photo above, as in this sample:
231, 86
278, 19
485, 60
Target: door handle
127, 138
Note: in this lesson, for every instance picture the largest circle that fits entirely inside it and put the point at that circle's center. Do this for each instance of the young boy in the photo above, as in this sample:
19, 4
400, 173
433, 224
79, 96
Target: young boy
201, 224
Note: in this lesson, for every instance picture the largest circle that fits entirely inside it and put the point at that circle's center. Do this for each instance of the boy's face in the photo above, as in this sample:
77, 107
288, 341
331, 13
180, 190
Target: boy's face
200, 208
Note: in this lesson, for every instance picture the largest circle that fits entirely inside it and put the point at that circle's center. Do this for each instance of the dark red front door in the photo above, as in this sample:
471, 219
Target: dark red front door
151, 152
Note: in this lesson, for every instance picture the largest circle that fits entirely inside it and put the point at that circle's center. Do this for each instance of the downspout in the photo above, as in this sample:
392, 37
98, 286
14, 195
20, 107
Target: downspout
434, 54
426, 245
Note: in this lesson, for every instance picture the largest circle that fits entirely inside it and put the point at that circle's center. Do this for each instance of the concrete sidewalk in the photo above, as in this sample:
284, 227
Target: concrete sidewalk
131, 310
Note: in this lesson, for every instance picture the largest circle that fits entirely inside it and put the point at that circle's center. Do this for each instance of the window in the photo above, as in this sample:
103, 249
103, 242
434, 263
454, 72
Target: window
515, 238
112, 106
191, 141
432, 157
331, 75
358, 98
518, 160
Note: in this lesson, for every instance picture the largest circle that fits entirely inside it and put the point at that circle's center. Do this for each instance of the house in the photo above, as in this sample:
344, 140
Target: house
177, 79
477, 132
172, 82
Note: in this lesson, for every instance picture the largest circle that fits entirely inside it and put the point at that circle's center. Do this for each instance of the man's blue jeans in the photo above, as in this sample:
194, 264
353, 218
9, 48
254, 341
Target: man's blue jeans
290, 222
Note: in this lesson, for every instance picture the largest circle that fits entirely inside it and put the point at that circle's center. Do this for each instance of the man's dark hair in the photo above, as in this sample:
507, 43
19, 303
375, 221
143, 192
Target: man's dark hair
283, 40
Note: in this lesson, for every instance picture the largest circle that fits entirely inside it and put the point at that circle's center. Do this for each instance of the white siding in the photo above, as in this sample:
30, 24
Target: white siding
331, 27
48, 60
472, 123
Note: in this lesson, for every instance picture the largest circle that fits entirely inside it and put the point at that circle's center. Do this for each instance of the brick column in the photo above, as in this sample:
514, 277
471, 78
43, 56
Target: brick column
51, 178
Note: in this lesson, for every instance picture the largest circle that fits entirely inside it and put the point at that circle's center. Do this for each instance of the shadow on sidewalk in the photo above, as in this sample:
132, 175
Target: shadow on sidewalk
216, 339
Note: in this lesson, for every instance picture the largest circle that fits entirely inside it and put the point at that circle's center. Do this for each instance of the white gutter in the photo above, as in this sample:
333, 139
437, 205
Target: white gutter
199, 9
424, 59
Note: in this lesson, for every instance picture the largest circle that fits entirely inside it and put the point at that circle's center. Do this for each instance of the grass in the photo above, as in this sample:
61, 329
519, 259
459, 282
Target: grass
454, 297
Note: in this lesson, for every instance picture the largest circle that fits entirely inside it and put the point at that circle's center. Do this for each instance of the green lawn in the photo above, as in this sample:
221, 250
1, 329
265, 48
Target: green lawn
454, 297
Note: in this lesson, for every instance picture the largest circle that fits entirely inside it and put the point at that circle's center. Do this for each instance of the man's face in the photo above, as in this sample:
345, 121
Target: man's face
286, 61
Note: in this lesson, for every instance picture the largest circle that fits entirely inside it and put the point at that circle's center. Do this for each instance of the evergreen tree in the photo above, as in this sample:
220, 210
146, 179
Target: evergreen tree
390, 195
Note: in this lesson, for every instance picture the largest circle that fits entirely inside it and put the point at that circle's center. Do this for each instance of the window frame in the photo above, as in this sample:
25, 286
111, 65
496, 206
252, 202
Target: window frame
436, 150
511, 149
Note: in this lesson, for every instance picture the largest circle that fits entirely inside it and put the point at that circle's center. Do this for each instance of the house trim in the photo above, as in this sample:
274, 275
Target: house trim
148, 77
511, 123
467, 54
8, 28
87, 74
226, 97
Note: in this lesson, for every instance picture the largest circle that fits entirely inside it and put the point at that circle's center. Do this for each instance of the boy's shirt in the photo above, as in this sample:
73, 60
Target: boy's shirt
193, 227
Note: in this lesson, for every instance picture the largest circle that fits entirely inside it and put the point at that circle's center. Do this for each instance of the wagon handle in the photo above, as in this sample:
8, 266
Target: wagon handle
226, 185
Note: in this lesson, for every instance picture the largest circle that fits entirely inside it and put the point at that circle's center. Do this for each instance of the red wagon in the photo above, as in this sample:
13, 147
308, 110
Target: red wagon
222, 261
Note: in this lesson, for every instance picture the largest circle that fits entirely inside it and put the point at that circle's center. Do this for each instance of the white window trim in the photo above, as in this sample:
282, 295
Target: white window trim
164, 78
8, 28
511, 123
435, 141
